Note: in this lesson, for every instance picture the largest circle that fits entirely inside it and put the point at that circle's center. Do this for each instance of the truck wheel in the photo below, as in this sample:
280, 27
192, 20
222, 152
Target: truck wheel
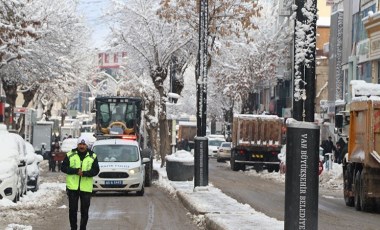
234, 166
347, 178
259, 168
366, 203
357, 191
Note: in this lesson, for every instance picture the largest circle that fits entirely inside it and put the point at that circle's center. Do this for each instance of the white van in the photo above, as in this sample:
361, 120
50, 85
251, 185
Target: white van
121, 166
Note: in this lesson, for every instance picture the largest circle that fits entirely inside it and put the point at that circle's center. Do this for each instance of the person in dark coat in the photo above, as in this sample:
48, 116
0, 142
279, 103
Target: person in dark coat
340, 150
328, 147
80, 165
55, 148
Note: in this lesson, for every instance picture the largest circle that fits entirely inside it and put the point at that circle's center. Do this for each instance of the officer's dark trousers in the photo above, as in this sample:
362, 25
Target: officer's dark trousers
85, 198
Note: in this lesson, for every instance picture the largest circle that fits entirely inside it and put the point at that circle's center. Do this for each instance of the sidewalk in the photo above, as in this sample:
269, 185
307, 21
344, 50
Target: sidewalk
220, 211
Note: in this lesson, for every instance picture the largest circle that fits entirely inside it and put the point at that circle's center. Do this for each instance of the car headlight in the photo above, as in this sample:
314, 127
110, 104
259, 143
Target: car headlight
134, 170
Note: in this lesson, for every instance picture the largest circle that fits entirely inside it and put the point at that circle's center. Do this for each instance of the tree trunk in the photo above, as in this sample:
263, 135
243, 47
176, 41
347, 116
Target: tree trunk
28, 97
164, 137
10, 89
158, 75
151, 127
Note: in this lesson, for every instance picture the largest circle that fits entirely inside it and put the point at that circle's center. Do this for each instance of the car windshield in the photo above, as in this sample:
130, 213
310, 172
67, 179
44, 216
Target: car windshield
227, 145
214, 142
116, 153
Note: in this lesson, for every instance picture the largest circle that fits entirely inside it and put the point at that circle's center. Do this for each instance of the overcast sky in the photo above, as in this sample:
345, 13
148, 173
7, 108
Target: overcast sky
93, 10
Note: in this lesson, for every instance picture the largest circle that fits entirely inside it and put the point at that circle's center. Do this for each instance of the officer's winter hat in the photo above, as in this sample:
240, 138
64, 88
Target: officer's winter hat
83, 140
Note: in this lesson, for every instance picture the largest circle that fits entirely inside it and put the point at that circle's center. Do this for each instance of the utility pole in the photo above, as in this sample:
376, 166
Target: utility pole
302, 144
201, 142
202, 69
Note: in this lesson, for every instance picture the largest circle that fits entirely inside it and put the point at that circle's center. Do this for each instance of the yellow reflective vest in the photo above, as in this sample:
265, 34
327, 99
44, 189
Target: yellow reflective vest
74, 181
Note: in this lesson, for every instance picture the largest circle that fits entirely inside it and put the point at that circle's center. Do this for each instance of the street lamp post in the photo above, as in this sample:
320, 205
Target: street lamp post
201, 142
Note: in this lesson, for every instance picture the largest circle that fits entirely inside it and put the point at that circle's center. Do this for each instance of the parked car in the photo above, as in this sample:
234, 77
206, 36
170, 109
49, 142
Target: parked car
224, 152
32, 160
13, 170
282, 157
121, 166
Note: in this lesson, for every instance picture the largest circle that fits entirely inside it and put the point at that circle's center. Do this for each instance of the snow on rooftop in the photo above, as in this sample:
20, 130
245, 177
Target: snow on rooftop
362, 88
323, 21
187, 123
254, 116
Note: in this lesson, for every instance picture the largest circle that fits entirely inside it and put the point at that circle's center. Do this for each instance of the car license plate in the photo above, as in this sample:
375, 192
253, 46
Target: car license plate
113, 182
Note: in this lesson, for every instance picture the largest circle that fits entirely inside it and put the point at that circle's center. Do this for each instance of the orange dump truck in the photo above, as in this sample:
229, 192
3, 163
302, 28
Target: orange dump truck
361, 165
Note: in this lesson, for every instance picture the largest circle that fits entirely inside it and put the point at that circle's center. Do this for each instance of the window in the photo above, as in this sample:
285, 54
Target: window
115, 58
106, 58
100, 59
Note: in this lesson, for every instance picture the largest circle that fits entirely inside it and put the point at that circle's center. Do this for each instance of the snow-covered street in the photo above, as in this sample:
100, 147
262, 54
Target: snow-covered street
50, 198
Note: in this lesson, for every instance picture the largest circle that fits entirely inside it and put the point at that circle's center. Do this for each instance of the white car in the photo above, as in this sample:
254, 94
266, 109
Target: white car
213, 146
121, 166
224, 152
13, 174
32, 161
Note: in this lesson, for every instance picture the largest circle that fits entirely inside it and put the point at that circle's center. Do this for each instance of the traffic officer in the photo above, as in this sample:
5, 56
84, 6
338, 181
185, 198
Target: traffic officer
80, 165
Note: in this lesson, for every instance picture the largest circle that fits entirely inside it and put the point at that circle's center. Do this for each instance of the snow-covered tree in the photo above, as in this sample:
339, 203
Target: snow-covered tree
250, 62
17, 29
150, 43
55, 65
246, 44
227, 20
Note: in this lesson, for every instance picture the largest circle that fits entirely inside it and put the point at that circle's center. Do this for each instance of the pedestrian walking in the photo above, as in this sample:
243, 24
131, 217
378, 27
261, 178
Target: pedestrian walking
80, 165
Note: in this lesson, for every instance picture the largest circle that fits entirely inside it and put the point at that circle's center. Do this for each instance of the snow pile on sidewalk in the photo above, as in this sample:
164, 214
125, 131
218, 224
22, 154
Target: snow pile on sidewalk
219, 210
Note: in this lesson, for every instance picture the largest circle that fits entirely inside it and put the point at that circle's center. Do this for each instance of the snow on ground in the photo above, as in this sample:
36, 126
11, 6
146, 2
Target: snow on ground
32, 204
50, 192
209, 198
329, 178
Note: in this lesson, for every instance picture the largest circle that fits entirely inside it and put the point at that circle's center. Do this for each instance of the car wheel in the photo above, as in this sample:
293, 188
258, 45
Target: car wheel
141, 192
